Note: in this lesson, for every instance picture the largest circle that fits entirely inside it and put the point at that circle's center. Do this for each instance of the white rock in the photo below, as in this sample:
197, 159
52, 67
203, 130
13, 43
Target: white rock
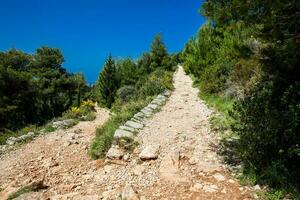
167, 93
150, 152
231, 181
161, 97
115, 153
256, 187
122, 133
197, 187
134, 125
219, 177
139, 115
129, 193
138, 170
210, 188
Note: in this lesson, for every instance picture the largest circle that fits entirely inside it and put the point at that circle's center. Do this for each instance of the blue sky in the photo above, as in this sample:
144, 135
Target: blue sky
88, 30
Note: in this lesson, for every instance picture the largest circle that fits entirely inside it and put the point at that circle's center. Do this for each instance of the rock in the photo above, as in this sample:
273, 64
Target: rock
197, 187
107, 168
126, 157
129, 193
138, 170
210, 188
157, 102
62, 124
127, 128
256, 187
49, 162
30, 134
119, 133
231, 181
67, 143
115, 153
134, 125
139, 119
169, 169
136, 120
23, 137
167, 93
161, 97
12, 140
152, 106
110, 194
219, 177
150, 152
146, 112
224, 191
139, 115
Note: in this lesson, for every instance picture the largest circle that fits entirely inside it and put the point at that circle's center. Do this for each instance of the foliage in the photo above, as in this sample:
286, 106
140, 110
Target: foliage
125, 93
107, 83
36, 88
84, 112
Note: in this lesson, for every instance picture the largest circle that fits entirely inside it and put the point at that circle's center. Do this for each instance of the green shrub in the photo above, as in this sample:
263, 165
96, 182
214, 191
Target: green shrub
83, 112
156, 83
268, 125
49, 128
125, 92
213, 79
89, 117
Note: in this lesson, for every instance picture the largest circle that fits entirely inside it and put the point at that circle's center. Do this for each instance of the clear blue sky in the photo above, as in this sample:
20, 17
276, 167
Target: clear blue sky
88, 30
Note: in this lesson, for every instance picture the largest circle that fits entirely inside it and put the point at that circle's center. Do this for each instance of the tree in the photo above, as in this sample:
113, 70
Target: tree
127, 71
107, 83
159, 54
35, 88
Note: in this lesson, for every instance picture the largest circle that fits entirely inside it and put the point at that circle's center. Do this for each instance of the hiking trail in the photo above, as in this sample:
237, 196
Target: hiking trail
187, 166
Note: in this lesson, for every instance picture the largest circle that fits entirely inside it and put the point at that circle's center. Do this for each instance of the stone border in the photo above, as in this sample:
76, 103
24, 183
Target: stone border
130, 129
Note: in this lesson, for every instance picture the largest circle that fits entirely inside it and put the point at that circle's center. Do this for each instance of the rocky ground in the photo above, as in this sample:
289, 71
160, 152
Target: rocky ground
176, 159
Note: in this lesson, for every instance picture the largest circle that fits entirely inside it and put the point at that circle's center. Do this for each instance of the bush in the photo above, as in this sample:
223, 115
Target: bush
84, 112
156, 83
213, 79
268, 125
125, 92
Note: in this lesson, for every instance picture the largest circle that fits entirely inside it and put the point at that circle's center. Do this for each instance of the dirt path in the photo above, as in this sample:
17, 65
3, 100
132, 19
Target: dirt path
187, 166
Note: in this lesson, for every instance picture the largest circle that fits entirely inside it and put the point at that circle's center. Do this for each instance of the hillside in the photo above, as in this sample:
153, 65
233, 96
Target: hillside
187, 166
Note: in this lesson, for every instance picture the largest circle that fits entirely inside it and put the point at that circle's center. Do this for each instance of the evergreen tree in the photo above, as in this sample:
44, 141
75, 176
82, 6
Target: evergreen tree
107, 83
159, 54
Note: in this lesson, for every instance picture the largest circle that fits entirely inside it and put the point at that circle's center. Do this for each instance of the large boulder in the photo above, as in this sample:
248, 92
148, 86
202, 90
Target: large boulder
150, 152
119, 133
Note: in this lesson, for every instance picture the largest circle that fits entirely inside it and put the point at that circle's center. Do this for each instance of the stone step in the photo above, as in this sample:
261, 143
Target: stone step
119, 133
134, 125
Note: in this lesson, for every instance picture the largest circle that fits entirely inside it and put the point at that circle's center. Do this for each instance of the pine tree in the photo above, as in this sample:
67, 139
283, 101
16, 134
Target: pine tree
159, 54
107, 83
